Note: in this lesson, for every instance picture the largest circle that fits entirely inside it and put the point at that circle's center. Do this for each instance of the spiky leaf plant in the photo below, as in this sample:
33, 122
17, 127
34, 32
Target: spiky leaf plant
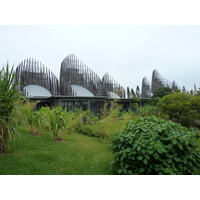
8, 97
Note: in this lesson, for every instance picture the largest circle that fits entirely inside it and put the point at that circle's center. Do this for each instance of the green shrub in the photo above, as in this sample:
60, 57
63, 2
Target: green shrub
112, 120
90, 130
151, 145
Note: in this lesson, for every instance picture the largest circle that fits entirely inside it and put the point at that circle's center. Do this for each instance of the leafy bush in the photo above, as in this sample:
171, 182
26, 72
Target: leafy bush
176, 105
108, 126
162, 91
151, 145
90, 130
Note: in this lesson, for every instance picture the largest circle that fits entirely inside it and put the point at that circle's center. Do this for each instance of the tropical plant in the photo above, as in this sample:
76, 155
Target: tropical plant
8, 96
90, 118
33, 118
154, 146
57, 122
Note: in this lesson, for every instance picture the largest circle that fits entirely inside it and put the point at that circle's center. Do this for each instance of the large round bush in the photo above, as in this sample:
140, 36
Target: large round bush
151, 145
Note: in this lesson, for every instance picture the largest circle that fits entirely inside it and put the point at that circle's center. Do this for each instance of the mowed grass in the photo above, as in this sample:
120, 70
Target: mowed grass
40, 155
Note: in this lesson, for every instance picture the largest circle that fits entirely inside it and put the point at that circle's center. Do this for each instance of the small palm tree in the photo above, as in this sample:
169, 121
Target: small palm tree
8, 96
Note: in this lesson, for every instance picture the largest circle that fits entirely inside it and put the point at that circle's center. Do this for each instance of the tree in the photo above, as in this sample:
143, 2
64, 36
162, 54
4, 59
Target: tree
8, 97
162, 91
175, 105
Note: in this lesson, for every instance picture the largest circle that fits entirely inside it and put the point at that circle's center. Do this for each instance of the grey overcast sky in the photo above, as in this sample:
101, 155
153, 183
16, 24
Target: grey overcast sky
126, 52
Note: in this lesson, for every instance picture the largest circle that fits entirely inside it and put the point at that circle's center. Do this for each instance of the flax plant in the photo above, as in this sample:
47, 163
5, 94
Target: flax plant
8, 96
33, 118
57, 122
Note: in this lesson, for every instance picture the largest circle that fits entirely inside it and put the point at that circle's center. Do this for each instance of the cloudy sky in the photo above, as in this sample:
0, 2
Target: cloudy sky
126, 52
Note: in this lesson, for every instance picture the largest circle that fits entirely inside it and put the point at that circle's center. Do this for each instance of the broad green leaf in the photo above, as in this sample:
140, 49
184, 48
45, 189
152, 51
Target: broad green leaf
140, 157
126, 166
169, 160
143, 151
133, 158
174, 141
169, 146
180, 146
166, 170
171, 172
138, 148
177, 159
128, 150
159, 150
142, 170
187, 142
156, 156
119, 171
145, 161
185, 160
151, 151
125, 171
147, 157
130, 172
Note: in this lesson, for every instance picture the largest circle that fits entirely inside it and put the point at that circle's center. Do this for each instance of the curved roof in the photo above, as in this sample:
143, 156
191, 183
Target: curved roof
36, 91
114, 95
81, 91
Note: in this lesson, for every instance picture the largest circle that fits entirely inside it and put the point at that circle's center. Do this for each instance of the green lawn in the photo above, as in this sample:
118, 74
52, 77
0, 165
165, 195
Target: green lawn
40, 155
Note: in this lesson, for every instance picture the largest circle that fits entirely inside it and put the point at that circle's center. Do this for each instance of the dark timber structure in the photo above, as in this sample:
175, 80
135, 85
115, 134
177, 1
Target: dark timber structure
157, 81
75, 72
79, 86
31, 72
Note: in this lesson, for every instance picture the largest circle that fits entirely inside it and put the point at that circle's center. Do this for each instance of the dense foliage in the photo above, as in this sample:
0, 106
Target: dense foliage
112, 119
162, 91
151, 145
181, 107
56, 120
8, 97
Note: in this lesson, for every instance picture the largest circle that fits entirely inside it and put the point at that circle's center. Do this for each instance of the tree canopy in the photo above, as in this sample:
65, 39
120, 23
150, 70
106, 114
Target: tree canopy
180, 106
162, 91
